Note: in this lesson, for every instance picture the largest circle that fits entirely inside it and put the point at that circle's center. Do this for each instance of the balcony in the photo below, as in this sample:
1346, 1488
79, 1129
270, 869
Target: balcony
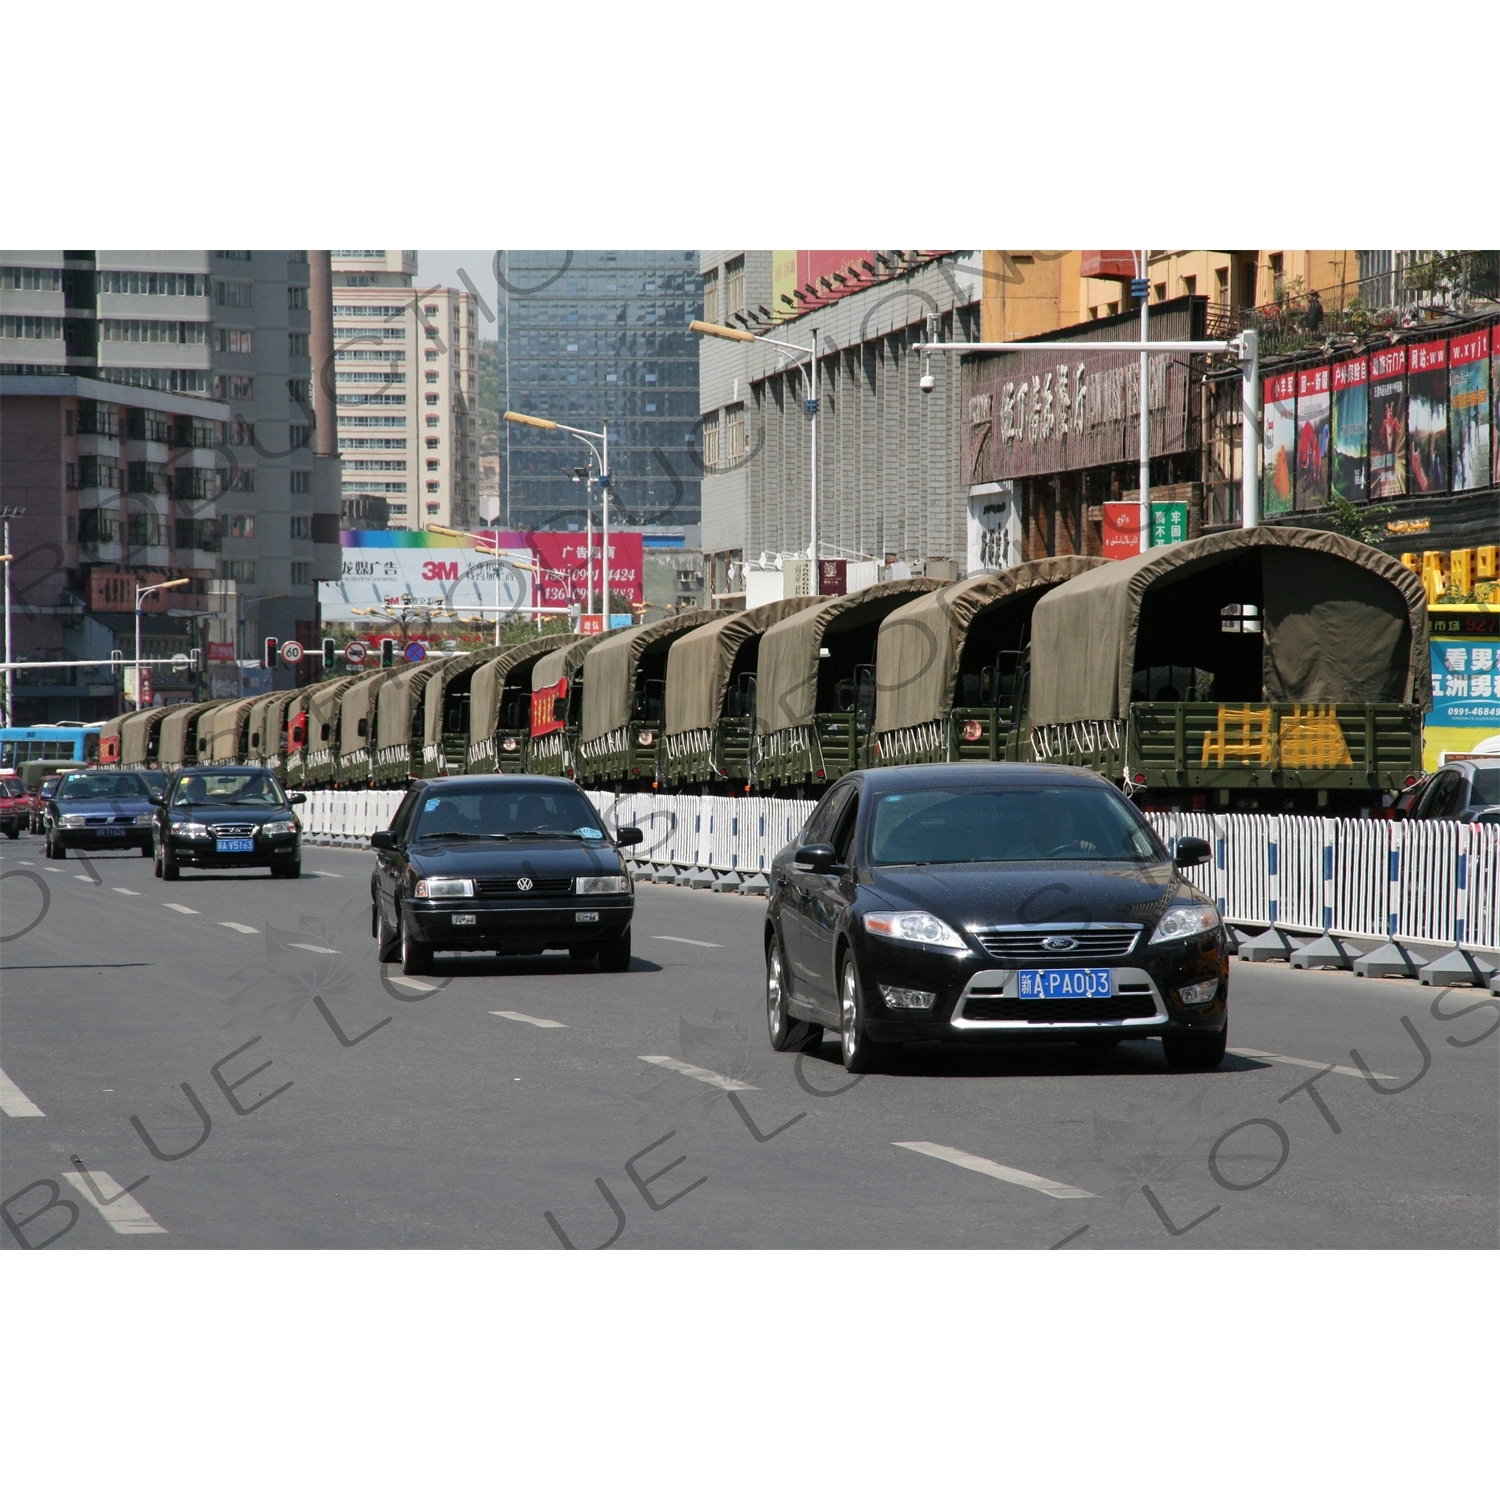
148, 429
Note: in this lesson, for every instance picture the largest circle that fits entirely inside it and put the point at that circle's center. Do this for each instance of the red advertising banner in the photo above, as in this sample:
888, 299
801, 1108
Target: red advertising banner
562, 566
1388, 468
1123, 531
112, 590
221, 651
548, 704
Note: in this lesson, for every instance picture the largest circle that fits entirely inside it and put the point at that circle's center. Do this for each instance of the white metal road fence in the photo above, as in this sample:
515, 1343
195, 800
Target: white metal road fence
1424, 882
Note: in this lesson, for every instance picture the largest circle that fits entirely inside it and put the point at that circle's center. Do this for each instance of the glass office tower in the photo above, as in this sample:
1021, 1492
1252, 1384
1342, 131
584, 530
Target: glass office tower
590, 335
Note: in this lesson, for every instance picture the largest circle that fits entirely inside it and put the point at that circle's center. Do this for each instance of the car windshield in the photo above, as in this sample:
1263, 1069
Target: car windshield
104, 784
228, 789
954, 825
1486, 785
493, 812
12, 788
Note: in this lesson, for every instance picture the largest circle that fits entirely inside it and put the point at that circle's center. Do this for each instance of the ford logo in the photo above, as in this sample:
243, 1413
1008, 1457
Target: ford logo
1059, 944
524, 884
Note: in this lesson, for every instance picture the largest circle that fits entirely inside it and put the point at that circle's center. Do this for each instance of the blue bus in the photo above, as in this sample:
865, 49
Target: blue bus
71, 741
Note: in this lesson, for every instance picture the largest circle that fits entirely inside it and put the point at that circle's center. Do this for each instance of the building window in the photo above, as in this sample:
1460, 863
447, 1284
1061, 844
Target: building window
432, 399
301, 482
433, 464
234, 387
296, 343
734, 433
1190, 286
235, 341
1221, 287
72, 475
240, 526
300, 391
296, 299
734, 287
33, 279
433, 487
433, 354
301, 528
145, 331
301, 572
433, 507
398, 510
237, 481
231, 255
710, 442
433, 442
234, 293
35, 328
299, 434
239, 433
236, 570
432, 376
1278, 274
1161, 291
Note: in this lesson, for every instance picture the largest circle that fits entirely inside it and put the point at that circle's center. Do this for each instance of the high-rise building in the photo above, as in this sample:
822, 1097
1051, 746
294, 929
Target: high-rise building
168, 395
588, 336
406, 372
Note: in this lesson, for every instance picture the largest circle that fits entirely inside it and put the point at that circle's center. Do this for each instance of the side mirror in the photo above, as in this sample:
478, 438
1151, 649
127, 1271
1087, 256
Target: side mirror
157, 799
626, 836
819, 858
1190, 851
382, 838
296, 797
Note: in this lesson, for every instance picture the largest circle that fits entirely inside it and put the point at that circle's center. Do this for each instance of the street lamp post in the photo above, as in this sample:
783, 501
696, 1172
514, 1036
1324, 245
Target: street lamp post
10, 712
140, 595
810, 405
603, 481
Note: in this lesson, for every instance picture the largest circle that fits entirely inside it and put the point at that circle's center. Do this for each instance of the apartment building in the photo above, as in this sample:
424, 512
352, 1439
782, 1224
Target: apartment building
406, 374
159, 406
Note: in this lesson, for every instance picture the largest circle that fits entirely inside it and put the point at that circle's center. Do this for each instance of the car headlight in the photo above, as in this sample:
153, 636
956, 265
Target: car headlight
281, 828
508, 743
1198, 994
73, 820
444, 886
903, 999
913, 927
1186, 922
602, 885
144, 820
190, 830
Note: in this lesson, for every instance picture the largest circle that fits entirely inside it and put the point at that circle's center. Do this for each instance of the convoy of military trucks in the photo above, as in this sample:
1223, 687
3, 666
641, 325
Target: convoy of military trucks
1274, 668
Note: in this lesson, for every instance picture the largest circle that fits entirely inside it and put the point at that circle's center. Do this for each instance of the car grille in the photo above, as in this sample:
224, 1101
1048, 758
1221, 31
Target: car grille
1027, 944
105, 821
540, 886
234, 830
1060, 1012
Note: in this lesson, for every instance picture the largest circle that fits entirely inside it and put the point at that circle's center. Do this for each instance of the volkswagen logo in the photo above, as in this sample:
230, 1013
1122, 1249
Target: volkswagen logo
1059, 944
524, 884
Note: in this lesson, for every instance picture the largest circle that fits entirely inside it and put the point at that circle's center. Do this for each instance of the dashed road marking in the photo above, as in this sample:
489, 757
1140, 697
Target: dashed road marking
988, 1168
412, 984
703, 1075
312, 947
662, 937
239, 927
329, 874
54, 869
187, 911
1302, 1062
515, 1015
124, 890
30, 862
123, 1214
14, 1103
87, 879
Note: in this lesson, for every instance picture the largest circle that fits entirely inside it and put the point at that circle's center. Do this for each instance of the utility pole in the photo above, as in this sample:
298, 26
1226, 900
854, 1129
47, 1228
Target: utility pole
10, 711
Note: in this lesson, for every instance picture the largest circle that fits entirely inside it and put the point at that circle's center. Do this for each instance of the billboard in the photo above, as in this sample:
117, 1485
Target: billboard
1314, 401
1279, 421
379, 566
1351, 430
1388, 423
1427, 416
563, 566
793, 271
1469, 410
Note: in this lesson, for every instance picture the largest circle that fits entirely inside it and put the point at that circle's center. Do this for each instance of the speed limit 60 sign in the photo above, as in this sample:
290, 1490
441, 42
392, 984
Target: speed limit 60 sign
291, 652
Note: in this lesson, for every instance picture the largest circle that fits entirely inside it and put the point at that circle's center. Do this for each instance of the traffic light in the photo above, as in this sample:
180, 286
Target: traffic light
330, 653
387, 652
268, 656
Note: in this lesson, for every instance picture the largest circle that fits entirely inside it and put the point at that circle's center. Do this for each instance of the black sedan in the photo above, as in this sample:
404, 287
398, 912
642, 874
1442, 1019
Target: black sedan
227, 818
991, 903
97, 810
500, 864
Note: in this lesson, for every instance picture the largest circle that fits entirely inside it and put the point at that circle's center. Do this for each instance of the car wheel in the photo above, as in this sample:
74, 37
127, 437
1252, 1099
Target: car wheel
146, 852
860, 1054
156, 861
14, 831
169, 866
1195, 1051
788, 1034
387, 939
416, 957
290, 869
614, 953
59, 851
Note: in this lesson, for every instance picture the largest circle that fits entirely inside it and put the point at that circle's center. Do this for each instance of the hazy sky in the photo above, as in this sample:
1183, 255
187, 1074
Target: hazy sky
441, 268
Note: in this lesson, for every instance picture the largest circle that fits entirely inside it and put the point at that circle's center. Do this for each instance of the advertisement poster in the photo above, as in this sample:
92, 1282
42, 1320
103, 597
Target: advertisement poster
1387, 423
1495, 404
562, 566
1465, 665
1427, 417
1280, 438
1469, 410
380, 566
1122, 530
1313, 413
1351, 430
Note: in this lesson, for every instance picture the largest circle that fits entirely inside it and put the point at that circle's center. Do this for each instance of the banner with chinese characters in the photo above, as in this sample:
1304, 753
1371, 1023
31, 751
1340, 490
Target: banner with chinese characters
1169, 523
1313, 407
1279, 419
1427, 416
1351, 430
1469, 410
1387, 423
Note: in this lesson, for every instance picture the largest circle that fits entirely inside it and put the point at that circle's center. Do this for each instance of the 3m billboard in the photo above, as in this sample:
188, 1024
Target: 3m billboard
379, 566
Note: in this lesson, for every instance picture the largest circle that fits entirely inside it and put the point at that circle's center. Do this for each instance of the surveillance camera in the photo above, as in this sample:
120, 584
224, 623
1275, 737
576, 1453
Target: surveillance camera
927, 384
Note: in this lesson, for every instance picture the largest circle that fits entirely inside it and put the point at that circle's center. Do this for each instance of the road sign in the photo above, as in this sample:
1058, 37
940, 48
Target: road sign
291, 652
591, 624
415, 652
354, 653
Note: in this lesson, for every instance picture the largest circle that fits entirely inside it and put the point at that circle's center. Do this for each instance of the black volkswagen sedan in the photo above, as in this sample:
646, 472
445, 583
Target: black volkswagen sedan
991, 903
500, 864
98, 810
227, 818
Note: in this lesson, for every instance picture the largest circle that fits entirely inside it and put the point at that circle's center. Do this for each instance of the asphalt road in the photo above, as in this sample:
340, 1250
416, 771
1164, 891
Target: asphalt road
229, 1050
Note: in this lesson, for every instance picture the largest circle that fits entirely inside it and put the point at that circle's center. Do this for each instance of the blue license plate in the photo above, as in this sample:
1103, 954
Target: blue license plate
236, 846
108, 833
1065, 984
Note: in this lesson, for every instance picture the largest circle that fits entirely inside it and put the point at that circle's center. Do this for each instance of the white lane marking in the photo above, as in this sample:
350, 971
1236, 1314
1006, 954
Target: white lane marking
662, 937
312, 947
328, 874
124, 890
412, 984
53, 869
719, 1081
15, 1103
988, 1168
30, 862
239, 927
124, 1215
83, 878
1302, 1062
515, 1015
187, 911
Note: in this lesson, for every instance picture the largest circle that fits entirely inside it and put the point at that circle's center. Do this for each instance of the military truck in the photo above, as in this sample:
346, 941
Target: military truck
445, 712
353, 764
557, 706
1274, 669
399, 724
500, 705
